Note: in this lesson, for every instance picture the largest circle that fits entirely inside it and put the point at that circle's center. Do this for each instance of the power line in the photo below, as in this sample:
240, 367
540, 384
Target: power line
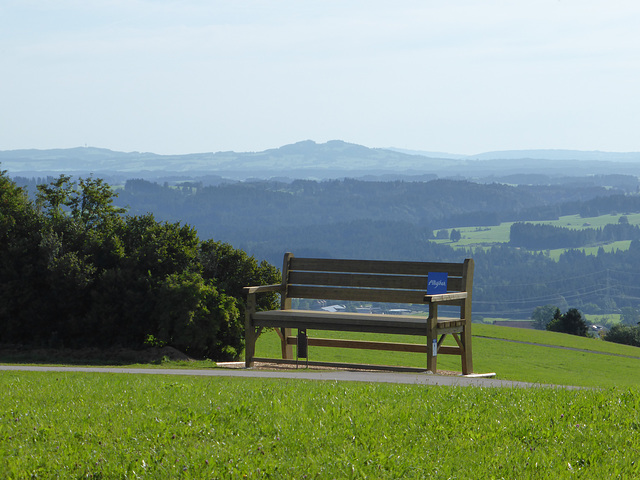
545, 281
566, 294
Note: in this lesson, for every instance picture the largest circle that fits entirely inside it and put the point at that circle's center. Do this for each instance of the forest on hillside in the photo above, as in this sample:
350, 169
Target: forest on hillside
400, 219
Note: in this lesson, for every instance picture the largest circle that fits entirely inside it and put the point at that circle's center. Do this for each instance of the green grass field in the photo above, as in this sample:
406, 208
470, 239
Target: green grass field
487, 236
512, 353
607, 318
104, 425
74, 425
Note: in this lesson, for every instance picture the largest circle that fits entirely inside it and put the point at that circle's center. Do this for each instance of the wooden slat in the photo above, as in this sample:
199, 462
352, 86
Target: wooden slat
371, 281
445, 297
373, 266
353, 322
455, 284
449, 329
446, 350
450, 323
320, 320
356, 294
362, 344
402, 282
263, 288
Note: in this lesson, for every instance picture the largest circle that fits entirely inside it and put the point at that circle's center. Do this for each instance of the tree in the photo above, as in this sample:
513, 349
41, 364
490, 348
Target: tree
141, 254
91, 204
232, 269
21, 265
158, 248
455, 235
55, 196
543, 315
570, 322
630, 316
195, 318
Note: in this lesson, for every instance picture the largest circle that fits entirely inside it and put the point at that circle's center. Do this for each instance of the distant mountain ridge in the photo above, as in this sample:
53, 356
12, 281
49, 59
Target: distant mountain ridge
308, 159
560, 155
541, 154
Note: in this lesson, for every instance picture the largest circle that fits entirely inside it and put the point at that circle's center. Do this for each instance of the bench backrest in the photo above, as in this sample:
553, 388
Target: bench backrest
369, 280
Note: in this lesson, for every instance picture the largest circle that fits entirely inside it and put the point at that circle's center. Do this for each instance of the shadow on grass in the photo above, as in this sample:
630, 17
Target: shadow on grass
164, 356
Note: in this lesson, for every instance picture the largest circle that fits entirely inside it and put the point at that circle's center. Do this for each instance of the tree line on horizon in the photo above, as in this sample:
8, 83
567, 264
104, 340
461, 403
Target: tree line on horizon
548, 237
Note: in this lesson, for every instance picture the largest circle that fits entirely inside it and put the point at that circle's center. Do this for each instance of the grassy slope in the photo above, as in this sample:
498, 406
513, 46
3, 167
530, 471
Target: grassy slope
583, 361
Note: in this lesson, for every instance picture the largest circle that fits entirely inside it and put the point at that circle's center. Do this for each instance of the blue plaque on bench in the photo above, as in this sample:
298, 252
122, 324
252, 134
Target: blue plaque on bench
437, 283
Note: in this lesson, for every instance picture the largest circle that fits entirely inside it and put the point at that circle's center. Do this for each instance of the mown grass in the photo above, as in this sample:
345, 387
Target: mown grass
98, 358
512, 353
72, 425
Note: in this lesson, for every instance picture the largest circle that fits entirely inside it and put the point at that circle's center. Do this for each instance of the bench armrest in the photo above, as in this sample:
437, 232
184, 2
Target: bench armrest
445, 297
263, 288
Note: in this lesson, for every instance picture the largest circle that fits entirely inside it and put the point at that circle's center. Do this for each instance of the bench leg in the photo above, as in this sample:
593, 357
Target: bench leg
249, 345
287, 350
432, 322
249, 332
467, 359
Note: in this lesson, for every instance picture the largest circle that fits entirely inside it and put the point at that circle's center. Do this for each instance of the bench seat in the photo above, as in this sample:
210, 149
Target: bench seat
352, 322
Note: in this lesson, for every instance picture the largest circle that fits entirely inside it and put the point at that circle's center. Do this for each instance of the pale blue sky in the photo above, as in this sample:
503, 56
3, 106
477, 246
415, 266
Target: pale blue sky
198, 75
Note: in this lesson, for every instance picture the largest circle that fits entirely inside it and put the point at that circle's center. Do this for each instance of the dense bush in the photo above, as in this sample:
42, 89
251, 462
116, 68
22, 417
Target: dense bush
624, 334
75, 272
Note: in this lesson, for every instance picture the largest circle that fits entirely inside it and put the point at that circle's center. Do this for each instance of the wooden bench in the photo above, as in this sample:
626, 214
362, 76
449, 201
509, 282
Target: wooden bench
366, 281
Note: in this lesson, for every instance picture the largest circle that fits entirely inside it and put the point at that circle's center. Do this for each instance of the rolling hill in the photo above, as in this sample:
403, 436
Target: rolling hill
310, 160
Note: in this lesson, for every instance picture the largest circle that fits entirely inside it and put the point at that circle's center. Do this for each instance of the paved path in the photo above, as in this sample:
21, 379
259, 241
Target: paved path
327, 375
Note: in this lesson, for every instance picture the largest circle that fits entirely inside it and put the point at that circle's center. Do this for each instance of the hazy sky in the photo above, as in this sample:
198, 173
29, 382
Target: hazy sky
171, 76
